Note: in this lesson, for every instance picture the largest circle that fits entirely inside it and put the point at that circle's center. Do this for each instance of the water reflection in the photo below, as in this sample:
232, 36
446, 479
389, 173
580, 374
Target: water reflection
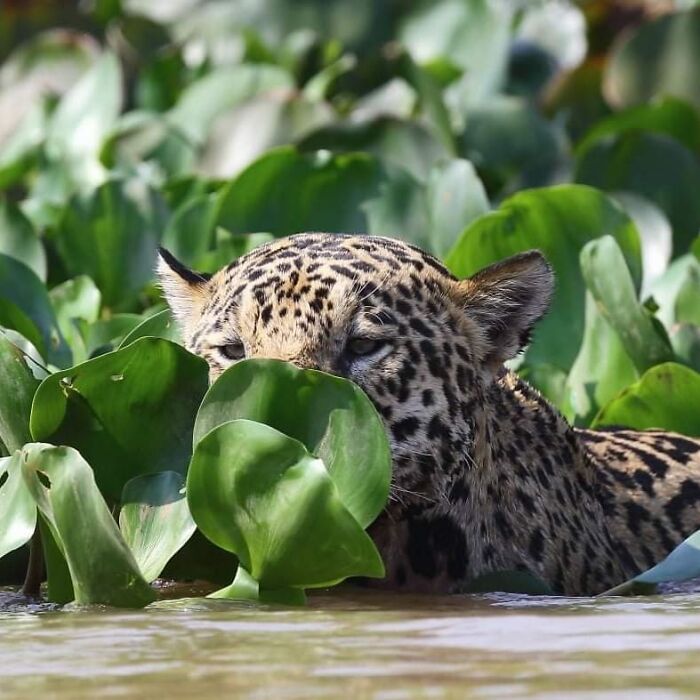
357, 644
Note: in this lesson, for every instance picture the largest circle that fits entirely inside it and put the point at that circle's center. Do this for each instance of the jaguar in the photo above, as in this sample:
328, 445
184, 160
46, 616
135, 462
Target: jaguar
487, 475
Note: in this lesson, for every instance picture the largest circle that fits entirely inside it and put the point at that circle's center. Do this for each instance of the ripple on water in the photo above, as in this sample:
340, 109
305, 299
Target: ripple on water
356, 643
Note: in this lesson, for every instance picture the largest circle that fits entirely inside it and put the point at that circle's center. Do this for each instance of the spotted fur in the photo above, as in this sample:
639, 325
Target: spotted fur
487, 475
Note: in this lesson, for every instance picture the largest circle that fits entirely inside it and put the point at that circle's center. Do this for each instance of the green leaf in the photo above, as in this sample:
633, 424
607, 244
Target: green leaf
559, 221
655, 235
59, 586
323, 412
666, 397
17, 507
245, 587
144, 137
111, 235
654, 166
155, 520
76, 299
260, 494
400, 210
656, 59
101, 566
19, 240
318, 87
240, 136
510, 144
666, 289
107, 334
218, 91
82, 119
26, 308
160, 325
456, 197
18, 387
399, 142
682, 564
685, 339
687, 306
602, 369
313, 192
610, 283
430, 99
20, 152
667, 115
45, 66
129, 412
473, 35
431, 216
190, 231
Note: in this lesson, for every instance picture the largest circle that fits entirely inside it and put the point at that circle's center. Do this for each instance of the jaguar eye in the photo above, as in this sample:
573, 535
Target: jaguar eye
361, 347
232, 351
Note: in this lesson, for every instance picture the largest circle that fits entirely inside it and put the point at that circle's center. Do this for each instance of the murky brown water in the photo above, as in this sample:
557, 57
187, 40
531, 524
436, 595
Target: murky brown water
357, 644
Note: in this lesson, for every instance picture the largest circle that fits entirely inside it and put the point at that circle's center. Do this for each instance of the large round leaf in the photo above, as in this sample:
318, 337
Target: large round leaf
325, 413
26, 308
654, 166
83, 117
19, 240
400, 142
222, 89
511, 144
456, 197
681, 276
17, 507
190, 231
431, 216
101, 566
311, 192
144, 137
559, 221
400, 210
611, 285
20, 152
73, 301
655, 234
666, 397
260, 494
49, 63
687, 307
602, 369
17, 387
669, 116
659, 58
129, 412
155, 520
473, 35
160, 325
239, 137
107, 334
111, 235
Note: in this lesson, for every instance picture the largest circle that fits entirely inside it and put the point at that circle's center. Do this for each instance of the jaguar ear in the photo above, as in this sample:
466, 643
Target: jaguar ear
184, 290
506, 300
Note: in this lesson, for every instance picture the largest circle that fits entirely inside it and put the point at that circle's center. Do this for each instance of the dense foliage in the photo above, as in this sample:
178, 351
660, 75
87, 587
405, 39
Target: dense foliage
473, 128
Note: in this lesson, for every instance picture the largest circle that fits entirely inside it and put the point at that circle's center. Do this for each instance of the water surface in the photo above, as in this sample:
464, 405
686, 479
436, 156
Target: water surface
356, 644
